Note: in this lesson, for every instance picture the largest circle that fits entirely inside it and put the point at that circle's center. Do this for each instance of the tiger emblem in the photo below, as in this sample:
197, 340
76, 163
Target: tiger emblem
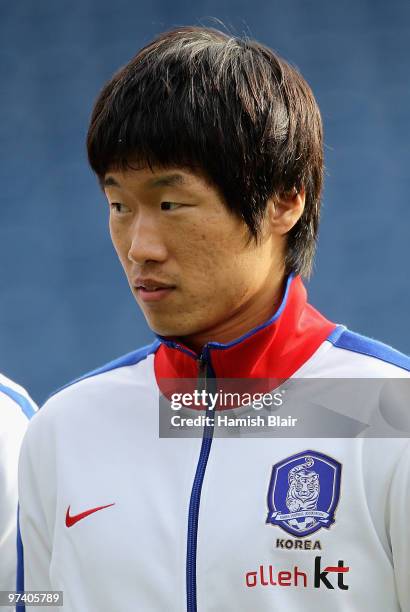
304, 487
303, 492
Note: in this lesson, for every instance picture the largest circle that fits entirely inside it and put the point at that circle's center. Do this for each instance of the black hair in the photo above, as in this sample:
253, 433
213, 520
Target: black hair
229, 107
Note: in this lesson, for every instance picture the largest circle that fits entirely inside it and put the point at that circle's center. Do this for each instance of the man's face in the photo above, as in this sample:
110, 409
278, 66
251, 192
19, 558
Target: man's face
187, 258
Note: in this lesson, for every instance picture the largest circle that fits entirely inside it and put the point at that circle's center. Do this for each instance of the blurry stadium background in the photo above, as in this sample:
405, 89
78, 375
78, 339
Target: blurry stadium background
65, 306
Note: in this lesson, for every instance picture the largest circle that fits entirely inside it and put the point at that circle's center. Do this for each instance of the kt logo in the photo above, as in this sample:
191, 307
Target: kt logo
321, 576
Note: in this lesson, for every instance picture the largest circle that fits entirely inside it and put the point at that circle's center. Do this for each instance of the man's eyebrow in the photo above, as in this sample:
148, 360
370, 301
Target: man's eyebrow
109, 181
169, 180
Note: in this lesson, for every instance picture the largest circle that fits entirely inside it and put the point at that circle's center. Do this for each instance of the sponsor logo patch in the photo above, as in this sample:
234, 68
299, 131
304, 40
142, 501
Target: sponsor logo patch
303, 493
320, 577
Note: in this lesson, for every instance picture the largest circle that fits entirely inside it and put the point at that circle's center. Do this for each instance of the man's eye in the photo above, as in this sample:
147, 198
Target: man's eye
119, 208
169, 205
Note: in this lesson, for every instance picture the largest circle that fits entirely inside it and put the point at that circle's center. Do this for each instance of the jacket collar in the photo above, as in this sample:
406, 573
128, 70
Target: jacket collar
275, 349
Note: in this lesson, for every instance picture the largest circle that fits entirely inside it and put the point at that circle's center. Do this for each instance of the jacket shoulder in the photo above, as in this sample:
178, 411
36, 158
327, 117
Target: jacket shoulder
105, 385
15, 395
378, 352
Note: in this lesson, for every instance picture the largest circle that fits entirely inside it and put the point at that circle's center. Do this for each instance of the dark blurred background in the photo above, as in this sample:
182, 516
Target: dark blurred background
65, 306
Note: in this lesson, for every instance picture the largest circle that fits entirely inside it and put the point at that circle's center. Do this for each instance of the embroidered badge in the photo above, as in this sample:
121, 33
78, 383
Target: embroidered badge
303, 493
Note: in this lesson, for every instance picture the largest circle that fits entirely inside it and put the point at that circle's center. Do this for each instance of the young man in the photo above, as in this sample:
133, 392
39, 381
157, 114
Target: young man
209, 150
16, 408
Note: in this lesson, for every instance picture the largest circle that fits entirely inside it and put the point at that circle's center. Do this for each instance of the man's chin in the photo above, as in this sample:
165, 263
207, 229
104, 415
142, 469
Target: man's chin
168, 330
181, 327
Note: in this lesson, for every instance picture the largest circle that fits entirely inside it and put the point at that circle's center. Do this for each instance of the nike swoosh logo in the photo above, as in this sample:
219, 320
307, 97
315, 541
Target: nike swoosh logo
72, 520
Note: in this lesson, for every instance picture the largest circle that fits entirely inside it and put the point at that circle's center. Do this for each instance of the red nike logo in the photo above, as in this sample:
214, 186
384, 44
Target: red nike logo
72, 520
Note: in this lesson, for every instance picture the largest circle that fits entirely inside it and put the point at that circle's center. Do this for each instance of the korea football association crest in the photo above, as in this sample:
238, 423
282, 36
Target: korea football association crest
304, 492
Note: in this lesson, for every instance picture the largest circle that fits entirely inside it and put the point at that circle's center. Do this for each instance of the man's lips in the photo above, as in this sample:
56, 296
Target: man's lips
150, 290
154, 295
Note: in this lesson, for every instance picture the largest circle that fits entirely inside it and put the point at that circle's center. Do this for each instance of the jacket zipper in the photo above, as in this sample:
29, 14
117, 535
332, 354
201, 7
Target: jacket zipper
205, 373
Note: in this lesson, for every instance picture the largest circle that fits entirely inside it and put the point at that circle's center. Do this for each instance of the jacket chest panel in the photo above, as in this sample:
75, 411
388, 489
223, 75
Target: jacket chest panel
257, 563
121, 514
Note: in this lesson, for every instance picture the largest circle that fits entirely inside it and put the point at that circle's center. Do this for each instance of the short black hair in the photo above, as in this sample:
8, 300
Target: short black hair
230, 107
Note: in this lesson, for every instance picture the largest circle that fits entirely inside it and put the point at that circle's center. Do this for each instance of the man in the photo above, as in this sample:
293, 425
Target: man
209, 150
16, 408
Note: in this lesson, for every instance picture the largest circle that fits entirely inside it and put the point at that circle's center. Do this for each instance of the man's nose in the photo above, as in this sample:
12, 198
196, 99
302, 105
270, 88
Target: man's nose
147, 243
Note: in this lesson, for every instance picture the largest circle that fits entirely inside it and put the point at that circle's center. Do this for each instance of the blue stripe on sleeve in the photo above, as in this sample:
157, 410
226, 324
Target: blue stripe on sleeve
126, 360
350, 341
22, 401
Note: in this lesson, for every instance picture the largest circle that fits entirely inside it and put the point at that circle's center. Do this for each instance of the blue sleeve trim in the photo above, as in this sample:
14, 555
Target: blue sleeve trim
22, 401
126, 360
20, 563
345, 339
336, 333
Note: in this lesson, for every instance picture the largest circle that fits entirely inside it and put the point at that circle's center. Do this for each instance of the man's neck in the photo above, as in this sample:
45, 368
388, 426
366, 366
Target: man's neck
252, 313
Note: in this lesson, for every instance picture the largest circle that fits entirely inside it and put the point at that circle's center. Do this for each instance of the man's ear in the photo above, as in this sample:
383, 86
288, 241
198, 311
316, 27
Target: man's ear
285, 210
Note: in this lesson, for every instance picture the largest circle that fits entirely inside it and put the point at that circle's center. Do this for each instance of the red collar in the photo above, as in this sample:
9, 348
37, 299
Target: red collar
276, 349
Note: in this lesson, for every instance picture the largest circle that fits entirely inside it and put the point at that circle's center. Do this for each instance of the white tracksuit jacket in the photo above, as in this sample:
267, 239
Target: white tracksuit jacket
120, 519
16, 408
